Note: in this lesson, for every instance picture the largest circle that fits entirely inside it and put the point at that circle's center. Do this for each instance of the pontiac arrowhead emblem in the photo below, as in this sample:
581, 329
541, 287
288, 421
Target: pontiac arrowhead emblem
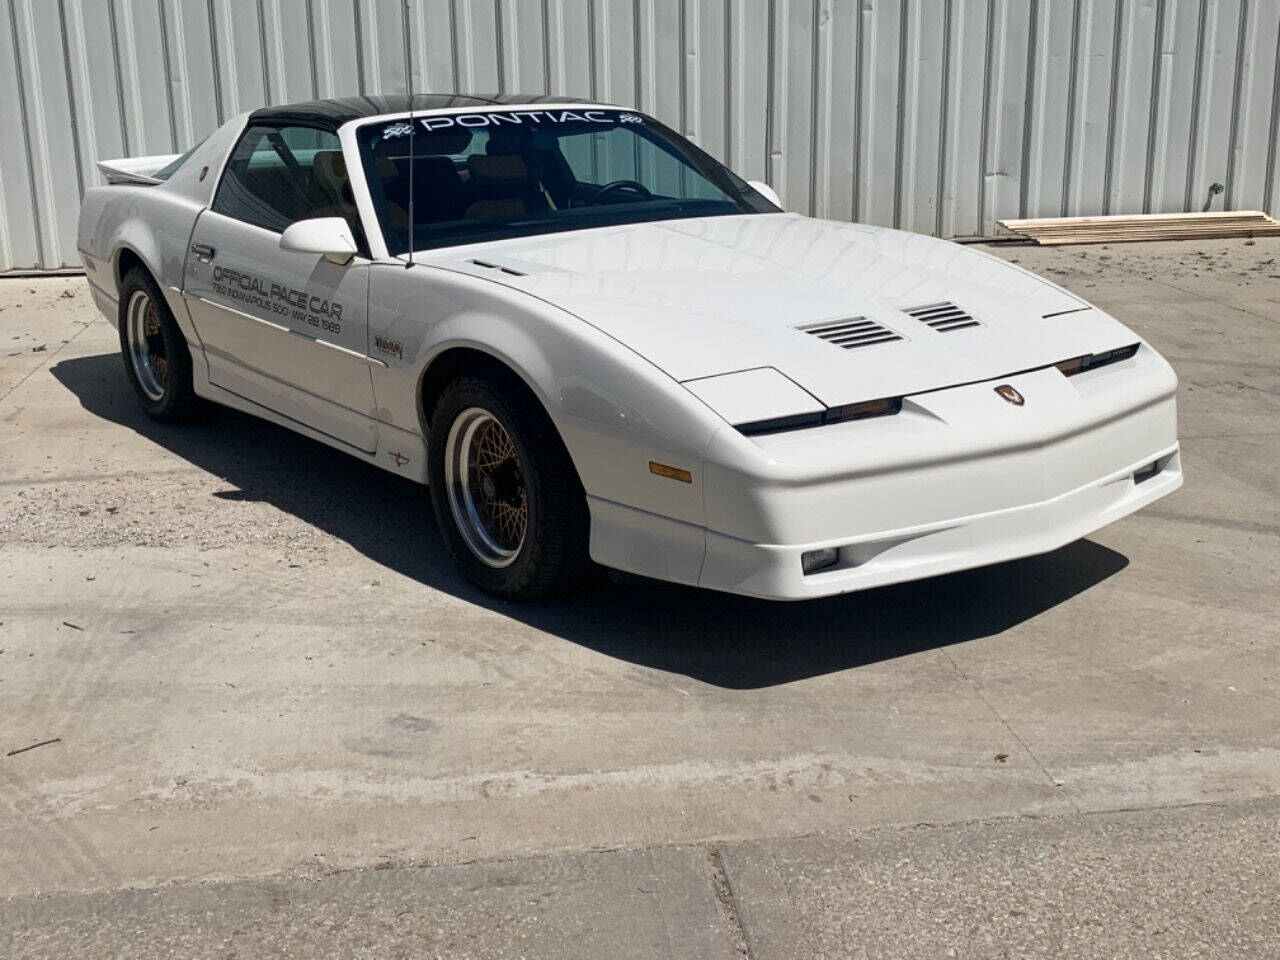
1011, 395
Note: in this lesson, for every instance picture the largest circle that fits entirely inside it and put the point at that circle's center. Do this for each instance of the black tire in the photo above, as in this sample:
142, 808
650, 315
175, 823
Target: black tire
551, 556
160, 368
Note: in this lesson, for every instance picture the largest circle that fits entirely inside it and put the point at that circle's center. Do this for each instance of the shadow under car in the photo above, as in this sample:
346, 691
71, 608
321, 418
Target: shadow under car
719, 639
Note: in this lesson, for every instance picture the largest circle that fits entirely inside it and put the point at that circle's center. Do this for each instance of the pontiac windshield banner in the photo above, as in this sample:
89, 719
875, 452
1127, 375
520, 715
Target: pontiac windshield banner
402, 128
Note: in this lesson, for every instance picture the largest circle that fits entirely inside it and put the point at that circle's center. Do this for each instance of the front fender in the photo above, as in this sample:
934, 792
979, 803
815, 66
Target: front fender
614, 410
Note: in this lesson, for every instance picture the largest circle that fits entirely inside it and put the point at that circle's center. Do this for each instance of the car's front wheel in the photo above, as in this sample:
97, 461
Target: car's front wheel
156, 358
507, 499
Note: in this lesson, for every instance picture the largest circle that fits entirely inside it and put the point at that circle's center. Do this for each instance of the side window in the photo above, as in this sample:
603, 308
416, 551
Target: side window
279, 175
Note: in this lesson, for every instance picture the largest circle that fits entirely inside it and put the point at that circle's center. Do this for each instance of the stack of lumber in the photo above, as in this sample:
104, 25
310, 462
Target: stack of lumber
1052, 231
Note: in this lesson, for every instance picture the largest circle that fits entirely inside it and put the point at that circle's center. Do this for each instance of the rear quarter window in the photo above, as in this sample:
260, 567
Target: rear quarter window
170, 168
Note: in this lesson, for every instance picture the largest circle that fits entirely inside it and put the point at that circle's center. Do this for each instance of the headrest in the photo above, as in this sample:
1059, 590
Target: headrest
329, 167
502, 142
387, 171
496, 209
449, 141
434, 166
498, 170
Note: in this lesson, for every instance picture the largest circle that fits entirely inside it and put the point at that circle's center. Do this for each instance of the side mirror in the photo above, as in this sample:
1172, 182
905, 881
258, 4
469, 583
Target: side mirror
766, 191
330, 237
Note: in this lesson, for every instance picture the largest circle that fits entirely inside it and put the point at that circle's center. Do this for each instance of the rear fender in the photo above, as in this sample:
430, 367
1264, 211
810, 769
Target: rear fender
121, 224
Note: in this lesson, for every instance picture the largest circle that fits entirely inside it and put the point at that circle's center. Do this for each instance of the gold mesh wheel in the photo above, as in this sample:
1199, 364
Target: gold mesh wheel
485, 481
146, 346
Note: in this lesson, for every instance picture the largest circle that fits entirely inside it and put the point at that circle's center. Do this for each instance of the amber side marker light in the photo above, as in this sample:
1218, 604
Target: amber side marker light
671, 473
1076, 365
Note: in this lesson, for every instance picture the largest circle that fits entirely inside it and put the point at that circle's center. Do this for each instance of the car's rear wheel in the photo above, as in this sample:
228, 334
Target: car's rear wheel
156, 358
507, 499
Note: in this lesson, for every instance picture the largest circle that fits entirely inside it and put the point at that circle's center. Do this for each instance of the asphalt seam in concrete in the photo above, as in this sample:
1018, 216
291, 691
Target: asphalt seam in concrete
1013, 733
713, 852
47, 360
1229, 306
1074, 889
1231, 436
1242, 364
119, 475
1242, 526
727, 902
1199, 295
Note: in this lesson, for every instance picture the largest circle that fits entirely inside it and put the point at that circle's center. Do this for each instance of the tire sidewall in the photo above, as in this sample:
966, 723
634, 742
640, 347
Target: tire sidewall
474, 393
511, 580
178, 396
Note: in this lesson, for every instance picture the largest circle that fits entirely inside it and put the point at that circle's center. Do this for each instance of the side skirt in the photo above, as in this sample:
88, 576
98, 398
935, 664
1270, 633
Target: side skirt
398, 451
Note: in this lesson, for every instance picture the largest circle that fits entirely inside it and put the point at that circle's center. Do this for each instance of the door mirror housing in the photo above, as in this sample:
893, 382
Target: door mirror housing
330, 237
766, 191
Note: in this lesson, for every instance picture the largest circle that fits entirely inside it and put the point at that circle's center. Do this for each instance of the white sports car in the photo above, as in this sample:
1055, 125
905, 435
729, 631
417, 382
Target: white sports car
594, 342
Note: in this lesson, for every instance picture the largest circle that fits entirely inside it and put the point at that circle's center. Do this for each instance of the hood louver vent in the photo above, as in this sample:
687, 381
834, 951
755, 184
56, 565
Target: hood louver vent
851, 333
497, 266
943, 317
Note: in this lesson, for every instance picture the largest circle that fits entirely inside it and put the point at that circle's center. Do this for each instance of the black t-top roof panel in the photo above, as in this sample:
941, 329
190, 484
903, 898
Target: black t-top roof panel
334, 113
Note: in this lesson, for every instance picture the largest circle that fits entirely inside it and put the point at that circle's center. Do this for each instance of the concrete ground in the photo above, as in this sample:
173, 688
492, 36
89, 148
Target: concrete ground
285, 727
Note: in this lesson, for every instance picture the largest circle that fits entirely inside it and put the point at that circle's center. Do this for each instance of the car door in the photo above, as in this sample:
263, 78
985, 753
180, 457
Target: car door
287, 330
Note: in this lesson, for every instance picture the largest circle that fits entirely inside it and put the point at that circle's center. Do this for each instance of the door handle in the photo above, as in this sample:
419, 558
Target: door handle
203, 251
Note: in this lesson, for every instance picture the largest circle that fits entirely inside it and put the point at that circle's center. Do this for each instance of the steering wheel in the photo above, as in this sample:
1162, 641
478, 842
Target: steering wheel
616, 185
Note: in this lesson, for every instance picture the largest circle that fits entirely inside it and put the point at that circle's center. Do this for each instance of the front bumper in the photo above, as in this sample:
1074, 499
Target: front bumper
910, 553
960, 478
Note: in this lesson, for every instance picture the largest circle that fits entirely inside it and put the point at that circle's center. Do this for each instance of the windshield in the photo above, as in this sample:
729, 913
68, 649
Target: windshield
510, 173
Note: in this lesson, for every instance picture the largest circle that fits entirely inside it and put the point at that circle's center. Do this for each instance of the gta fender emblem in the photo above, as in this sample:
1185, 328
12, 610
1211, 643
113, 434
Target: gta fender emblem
1011, 395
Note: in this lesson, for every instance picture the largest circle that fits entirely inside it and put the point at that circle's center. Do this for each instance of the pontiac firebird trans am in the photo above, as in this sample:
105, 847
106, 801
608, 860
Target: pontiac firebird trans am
594, 342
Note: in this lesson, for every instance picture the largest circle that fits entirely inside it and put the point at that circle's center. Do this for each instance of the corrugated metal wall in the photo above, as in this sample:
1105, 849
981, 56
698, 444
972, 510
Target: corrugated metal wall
934, 115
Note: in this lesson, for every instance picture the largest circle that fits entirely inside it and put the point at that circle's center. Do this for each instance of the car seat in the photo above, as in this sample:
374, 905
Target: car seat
331, 190
503, 185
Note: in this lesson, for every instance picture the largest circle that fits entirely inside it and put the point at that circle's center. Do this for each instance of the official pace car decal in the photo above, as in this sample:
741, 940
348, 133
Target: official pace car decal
279, 299
403, 128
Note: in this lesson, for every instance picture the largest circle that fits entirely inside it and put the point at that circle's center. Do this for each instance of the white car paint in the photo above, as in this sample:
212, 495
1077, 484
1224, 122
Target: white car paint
330, 237
749, 396
653, 342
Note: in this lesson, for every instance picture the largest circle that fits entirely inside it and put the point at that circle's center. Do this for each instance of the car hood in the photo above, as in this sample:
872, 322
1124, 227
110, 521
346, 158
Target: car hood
717, 295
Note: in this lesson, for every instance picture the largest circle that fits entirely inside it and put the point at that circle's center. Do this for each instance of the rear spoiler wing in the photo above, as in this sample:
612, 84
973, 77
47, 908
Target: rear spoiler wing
136, 170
